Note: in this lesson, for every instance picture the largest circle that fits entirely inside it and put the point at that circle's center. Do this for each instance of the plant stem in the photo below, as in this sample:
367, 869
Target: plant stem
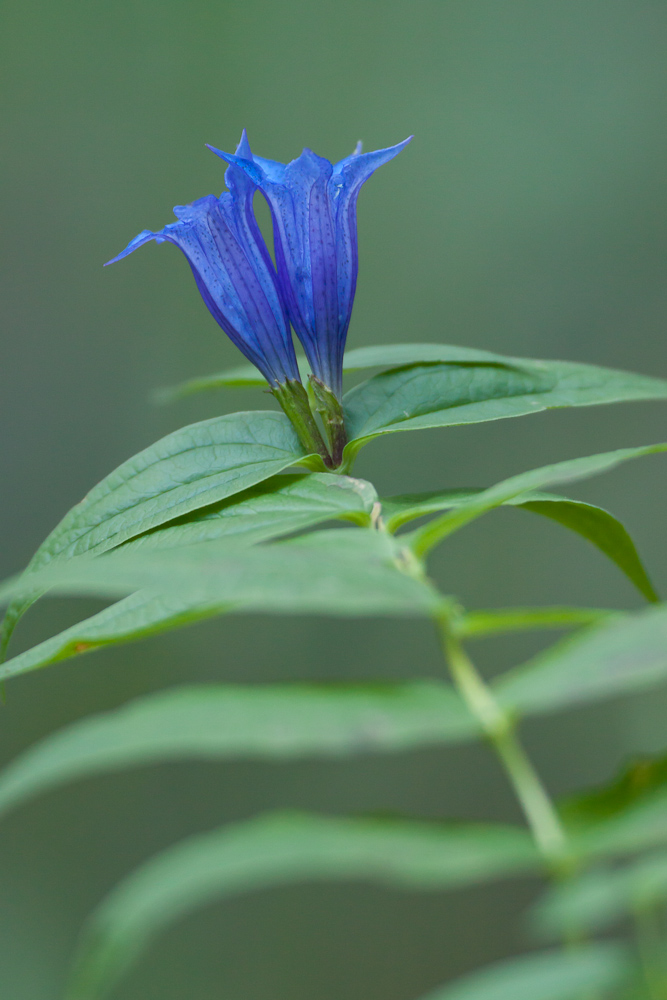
499, 727
329, 408
294, 400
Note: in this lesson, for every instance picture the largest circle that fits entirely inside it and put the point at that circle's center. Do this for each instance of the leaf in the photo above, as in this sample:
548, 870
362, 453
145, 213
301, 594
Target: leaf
418, 396
136, 617
601, 528
499, 621
640, 826
346, 571
215, 721
438, 395
639, 781
381, 356
593, 523
279, 506
572, 470
195, 466
627, 816
600, 898
275, 850
625, 654
551, 975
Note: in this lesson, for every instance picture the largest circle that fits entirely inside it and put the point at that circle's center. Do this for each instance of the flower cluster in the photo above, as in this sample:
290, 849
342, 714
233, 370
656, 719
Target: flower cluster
313, 208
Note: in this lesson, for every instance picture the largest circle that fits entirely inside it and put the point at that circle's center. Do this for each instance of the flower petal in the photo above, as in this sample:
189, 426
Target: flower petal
234, 274
313, 206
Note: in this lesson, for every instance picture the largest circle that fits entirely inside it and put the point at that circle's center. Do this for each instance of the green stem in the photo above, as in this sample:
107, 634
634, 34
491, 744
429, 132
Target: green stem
293, 398
329, 408
539, 810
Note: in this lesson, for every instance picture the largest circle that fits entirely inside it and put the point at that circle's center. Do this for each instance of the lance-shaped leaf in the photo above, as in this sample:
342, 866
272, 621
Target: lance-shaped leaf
641, 780
136, 617
380, 356
640, 826
279, 506
347, 572
593, 523
276, 850
212, 722
189, 469
510, 489
621, 655
551, 975
446, 394
626, 816
602, 897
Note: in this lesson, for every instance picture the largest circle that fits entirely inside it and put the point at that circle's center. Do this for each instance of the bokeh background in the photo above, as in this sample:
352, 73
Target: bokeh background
527, 217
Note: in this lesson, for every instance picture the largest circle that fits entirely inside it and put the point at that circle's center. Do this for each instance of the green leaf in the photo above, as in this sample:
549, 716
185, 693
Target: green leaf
600, 898
195, 466
437, 395
593, 523
279, 506
276, 850
573, 470
273, 722
381, 356
639, 781
551, 975
500, 621
442, 395
346, 571
626, 816
621, 655
136, 617
640, 826
601, 528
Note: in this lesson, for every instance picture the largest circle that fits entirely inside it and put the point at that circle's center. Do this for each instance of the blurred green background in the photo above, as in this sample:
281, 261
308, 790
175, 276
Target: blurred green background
527, 217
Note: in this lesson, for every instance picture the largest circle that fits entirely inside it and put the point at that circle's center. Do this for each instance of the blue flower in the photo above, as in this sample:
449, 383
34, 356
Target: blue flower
234, 272
313, 206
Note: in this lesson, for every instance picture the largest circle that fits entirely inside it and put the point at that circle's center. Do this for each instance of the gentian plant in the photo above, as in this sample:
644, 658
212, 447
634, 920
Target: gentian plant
259, 512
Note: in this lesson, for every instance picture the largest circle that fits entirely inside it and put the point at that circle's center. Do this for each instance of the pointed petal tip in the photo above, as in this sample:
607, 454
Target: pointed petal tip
243, 151
144, 237
243, 148
218, 152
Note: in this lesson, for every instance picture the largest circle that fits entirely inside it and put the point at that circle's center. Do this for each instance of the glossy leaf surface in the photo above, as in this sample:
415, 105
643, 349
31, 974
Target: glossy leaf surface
275, 850
446, 394
198, 465
221, 722
279, 506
